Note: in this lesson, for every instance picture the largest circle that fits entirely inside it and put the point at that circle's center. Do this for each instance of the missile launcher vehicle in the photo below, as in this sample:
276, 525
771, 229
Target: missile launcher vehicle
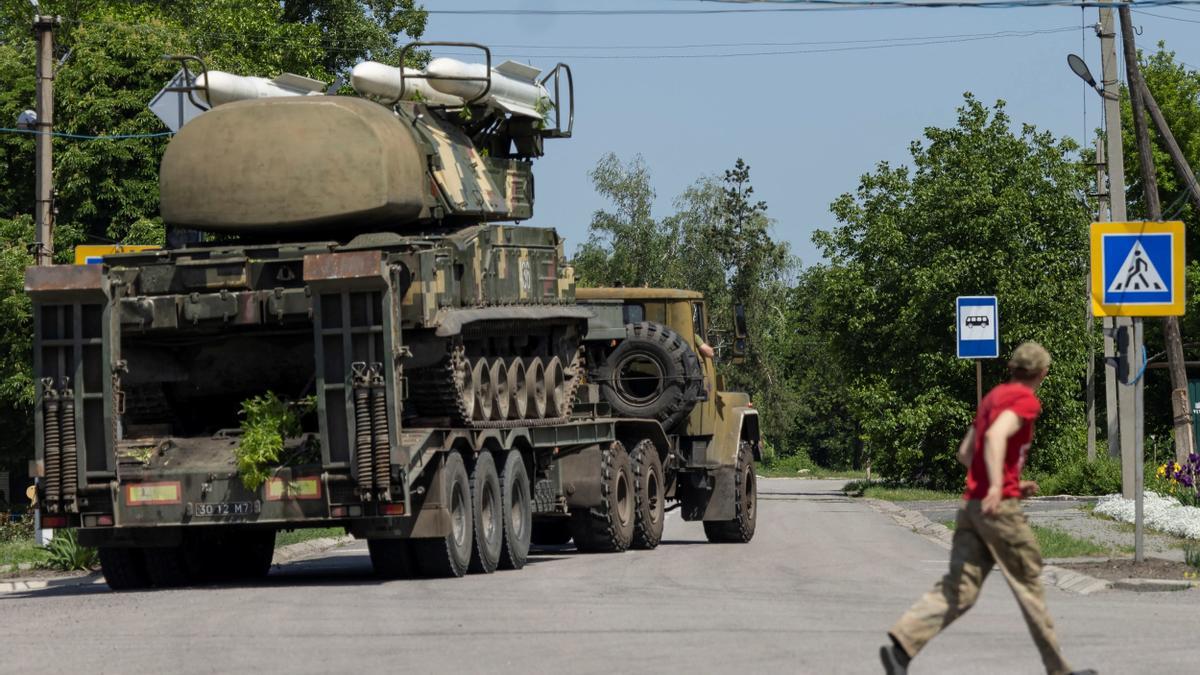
356, 260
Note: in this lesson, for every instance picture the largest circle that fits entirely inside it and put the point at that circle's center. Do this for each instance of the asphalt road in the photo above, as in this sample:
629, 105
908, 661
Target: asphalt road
813, 593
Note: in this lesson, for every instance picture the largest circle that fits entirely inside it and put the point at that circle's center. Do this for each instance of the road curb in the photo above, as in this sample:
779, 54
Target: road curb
1154, 585
283, 554
1059, 577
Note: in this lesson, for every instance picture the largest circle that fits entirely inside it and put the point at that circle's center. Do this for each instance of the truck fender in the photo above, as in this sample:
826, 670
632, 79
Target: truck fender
744, 429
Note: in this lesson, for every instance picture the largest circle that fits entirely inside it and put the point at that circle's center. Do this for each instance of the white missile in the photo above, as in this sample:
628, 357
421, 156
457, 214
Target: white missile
381, 81
224, 87
514, 89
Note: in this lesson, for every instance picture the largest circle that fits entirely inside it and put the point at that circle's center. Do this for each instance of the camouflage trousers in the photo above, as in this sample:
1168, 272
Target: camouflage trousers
980, 542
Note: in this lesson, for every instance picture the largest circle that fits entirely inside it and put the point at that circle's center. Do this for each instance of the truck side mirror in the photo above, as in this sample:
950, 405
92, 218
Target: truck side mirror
740, 334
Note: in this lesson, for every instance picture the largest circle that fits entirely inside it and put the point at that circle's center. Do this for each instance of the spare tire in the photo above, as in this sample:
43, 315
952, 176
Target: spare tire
653, 373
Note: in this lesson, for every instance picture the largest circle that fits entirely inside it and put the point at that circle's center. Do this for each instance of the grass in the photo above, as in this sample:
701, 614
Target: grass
17, 552
1058, 544
896, 493
306, 534
800, 466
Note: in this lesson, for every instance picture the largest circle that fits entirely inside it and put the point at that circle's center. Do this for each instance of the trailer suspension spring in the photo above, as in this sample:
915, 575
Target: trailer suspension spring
51, 444
362, 427
69, 476
379, 430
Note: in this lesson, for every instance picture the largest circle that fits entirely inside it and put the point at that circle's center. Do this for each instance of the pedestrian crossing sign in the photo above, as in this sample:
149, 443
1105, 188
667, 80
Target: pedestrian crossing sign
1137, 269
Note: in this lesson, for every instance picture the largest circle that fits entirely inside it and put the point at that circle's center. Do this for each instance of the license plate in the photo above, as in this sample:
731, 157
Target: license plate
219, 509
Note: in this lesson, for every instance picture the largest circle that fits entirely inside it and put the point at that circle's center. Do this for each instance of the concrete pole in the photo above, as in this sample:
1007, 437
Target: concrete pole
1101, 214
1110, 79
43, 28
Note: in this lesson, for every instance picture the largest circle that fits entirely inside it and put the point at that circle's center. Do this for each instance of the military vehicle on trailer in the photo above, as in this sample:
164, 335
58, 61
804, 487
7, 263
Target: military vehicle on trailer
352, 255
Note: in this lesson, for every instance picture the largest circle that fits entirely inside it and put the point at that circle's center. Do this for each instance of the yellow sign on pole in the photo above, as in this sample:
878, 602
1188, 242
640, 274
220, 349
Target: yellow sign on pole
93, 254
1138, 269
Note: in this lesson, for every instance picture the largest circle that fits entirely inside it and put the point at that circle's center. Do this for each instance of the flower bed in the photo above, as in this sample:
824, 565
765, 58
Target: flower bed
1164, 514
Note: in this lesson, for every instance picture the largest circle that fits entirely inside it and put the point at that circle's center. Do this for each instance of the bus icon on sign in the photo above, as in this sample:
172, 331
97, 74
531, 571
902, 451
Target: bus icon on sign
980, 320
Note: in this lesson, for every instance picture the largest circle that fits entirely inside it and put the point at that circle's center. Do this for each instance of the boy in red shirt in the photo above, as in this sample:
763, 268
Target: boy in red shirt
991, 529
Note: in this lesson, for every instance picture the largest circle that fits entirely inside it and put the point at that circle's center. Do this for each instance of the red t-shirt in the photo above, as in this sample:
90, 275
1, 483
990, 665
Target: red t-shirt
1021, 400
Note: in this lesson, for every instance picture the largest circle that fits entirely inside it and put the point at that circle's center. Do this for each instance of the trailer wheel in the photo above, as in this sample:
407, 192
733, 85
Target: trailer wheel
649, 490
450, 555
608, 527
392, 558
551, 531
486, 515
168, 567
517, 512
255, 549
124, 568
741, 529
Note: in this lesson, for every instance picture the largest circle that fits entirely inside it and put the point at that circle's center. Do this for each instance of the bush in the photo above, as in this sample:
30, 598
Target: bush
1081, 477
65, 553
16, 528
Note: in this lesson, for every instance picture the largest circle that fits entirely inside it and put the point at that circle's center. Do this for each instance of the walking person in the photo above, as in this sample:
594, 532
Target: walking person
991, 530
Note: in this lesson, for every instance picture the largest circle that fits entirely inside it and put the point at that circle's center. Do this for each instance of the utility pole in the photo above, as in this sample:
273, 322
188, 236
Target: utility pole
1101, 213
1115, 158
43, 28
1171, 334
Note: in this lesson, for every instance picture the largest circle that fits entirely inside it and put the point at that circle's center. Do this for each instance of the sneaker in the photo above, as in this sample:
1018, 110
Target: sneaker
895, 661
1089, 671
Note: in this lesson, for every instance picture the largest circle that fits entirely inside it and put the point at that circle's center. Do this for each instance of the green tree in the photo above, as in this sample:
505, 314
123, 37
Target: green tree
983, 210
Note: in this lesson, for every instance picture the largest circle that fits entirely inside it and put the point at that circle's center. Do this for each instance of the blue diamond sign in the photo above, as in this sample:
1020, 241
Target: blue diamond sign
978, 327
1137, 269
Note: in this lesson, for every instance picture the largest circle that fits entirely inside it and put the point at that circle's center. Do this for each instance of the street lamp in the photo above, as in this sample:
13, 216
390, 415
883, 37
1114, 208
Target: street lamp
1080, 68
27, 120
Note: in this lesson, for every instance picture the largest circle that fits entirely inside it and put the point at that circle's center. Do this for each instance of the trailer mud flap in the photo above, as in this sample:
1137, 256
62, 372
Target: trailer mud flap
708, 496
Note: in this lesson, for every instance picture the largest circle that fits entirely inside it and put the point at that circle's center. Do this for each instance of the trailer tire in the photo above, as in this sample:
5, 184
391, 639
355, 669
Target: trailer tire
124, 568
253, 554
740, 530
486, 514
517, 512
168, 566
649, 490
392, 558
450, 555
551, 531
608, 527
652, 373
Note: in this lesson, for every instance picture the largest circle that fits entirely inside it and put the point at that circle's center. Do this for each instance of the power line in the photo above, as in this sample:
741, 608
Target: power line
85, 137
810, 6
1164, 16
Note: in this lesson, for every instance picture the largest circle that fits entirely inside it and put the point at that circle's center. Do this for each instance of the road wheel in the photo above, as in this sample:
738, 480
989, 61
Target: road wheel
450, 555
608, 527
649, 490
124, 568
392, 558
741, 529
551, 531
517, 512
168, 567
653, 373
486, 514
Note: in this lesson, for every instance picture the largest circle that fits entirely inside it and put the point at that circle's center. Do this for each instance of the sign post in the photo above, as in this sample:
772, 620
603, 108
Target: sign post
978, 330
1137, 271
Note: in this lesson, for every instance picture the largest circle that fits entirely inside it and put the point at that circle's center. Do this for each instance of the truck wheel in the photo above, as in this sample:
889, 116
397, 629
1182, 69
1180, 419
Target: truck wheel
168, 567
648, 490
449, 556
391, 558
653, 373
741, 529
551, 531
486, 515
608, 527
517, 512
124, 568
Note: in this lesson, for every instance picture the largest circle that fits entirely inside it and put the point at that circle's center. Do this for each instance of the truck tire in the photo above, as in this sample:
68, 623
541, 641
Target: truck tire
652, 373
740, 530
124, 568
486, 515
517, 512
392, 558
168, 567
551, 531
450, 555
649, 491
608, 527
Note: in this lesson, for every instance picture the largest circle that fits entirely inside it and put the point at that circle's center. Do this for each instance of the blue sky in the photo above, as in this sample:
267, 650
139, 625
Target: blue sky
808, 124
